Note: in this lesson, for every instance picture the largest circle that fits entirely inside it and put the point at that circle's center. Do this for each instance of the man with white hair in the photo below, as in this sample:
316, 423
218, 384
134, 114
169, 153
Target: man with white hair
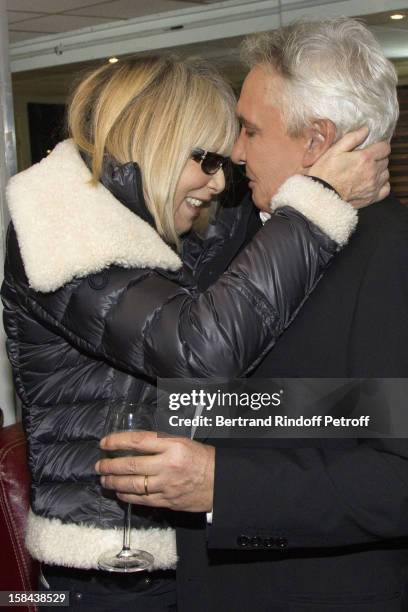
311, 525
308, 85
320, 524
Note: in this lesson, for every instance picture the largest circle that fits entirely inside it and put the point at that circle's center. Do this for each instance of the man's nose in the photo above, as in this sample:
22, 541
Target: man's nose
217, 181
238, 151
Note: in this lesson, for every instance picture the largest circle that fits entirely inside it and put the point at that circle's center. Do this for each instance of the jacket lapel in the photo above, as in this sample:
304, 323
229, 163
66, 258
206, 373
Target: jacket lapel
67, 228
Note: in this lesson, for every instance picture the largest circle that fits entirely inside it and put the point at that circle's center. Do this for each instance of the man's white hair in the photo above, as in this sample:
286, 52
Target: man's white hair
333, 69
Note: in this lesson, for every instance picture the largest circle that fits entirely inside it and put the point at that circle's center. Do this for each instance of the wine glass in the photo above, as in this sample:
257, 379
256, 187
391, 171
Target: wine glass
127, 416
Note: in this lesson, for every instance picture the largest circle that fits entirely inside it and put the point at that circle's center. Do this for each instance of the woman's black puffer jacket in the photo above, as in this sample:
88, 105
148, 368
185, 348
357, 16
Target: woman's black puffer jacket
96, 306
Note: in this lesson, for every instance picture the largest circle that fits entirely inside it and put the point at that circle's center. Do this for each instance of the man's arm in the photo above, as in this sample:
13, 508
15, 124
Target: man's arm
320, 496
270, 497
328, 496
310, 497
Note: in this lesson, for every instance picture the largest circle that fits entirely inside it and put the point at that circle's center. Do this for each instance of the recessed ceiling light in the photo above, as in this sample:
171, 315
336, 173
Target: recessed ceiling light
113, 60
397, 16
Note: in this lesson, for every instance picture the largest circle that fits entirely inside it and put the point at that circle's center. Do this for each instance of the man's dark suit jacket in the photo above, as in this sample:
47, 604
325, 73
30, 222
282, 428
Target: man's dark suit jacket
317, 525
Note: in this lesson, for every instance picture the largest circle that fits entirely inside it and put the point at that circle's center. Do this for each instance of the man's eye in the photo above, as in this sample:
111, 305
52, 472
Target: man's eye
249, 133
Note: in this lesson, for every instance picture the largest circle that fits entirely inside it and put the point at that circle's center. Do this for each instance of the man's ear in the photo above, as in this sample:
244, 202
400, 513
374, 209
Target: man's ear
319, 137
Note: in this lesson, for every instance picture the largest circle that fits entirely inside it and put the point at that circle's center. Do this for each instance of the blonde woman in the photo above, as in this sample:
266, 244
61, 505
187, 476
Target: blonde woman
98, 303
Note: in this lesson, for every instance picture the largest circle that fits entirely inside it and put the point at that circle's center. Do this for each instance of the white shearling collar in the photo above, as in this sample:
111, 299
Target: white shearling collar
67, 228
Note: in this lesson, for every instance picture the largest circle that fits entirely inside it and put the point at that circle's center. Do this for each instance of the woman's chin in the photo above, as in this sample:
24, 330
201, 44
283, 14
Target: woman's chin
183, 228
184, 224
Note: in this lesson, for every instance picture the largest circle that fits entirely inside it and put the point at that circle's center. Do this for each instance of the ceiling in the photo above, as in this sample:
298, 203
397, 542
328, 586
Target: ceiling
383, 19
30, 19
57, 80
53, 82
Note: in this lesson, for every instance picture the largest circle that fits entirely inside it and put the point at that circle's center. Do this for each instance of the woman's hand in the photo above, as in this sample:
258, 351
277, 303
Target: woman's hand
360, 176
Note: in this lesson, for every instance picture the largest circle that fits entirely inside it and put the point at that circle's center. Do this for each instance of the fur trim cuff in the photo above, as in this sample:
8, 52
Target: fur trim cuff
73, 545
323, 207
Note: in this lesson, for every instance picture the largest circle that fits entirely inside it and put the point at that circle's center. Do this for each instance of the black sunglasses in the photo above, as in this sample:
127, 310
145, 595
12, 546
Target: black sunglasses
210, 162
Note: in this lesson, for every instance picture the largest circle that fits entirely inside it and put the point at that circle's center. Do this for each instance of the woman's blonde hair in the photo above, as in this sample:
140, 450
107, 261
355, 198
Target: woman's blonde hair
153, 111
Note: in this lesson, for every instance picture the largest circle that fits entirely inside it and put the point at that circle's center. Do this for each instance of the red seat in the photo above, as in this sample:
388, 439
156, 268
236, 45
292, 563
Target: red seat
18, 571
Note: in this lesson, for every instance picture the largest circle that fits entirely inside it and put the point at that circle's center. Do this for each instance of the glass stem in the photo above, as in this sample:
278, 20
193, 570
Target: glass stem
126, 527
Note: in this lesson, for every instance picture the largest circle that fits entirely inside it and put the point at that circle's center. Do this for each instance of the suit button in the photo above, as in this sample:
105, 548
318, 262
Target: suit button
281, 542
269, 542
243, 541
256, 542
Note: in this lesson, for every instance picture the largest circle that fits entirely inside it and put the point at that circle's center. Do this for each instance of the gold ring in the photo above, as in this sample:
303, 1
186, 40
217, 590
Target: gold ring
145, 484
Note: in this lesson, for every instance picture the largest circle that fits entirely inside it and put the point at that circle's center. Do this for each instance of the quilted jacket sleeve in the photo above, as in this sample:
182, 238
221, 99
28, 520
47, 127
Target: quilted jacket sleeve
147, 324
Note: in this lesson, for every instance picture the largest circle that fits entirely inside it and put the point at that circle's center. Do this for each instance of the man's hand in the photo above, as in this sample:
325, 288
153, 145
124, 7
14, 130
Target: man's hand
360, 176
180, 471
